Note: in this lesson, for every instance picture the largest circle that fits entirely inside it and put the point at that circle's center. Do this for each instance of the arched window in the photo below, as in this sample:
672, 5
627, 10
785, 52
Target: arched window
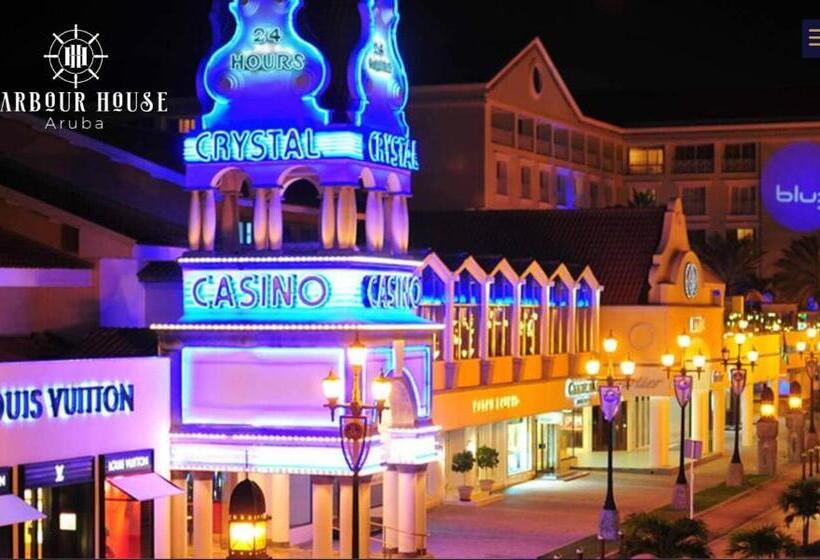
530, 321
559, 317
433, 298
583, 318
499, 317
466, 306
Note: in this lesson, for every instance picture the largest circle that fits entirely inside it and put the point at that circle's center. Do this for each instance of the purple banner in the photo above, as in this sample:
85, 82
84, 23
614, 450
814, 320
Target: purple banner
738, 381
610, 396
128, 462
683, 388
58, 473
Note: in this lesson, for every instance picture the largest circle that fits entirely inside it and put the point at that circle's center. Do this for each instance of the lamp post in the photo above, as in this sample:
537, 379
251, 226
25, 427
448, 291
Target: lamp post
682, 383
356, 427
811, 370
795, 422
738, 379
610, 397
767, 428
247, 522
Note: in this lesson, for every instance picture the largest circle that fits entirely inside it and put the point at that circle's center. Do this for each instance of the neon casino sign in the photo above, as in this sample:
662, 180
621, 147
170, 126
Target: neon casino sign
296, 294
790, 186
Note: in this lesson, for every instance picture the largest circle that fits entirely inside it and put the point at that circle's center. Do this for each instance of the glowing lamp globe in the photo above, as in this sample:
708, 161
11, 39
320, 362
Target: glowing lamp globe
767, 402
247, 522
699, 361
357, 354
743, 323
800, 346
381, 388
795, 396
811, 332
627, 367
593, 367
740, 338
332, 388
684, 340
668, 360
610, 344
754, 355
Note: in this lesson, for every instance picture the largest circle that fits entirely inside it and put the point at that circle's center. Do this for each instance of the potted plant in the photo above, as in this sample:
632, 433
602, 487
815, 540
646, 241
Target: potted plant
463, 462
486, 458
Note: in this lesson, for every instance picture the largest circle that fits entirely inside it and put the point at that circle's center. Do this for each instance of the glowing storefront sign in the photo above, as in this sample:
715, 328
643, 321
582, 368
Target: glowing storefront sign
300, 294
790, 186
129, 462
392, 150
490, 404
62, 401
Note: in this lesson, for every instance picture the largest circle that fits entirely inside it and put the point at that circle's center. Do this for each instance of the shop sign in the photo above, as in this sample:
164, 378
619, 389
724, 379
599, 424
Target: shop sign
790, 186
5, 480
392, 291
63, 401
580, 388
258, 289
128, 462
496, 403
59, 473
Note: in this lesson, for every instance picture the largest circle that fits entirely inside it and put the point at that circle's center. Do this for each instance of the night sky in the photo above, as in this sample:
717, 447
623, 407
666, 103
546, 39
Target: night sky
625, 61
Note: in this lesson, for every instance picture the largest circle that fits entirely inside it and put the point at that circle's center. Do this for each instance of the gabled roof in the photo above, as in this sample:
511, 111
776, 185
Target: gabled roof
20, 252
109, 342
617, 243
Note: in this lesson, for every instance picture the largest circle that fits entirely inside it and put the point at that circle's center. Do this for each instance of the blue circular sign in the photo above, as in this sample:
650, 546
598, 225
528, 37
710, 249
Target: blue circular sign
790, 186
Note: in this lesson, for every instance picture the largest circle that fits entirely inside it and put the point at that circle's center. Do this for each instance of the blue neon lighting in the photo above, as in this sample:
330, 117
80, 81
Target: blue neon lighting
433, 288
266, 73
559, 294
423, 396
501, 291
583, 298
340, 144
531, 292
466, 289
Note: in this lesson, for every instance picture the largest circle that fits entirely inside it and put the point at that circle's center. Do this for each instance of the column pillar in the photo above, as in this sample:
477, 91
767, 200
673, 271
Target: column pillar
421, 510
659, 432
586, 437
179, 517
374, 221
275, 220
719, 419
280, 510
195, 222
346, 218
322, 502
209, 220
632, 415
407, 509
747, 416
327, 218
398, 223
231, 480
390, 507
700, 416
203, 514
767, 429
796, 422
260, 219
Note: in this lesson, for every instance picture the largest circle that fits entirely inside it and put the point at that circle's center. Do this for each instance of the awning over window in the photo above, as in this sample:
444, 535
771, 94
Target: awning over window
145, 486
14, 510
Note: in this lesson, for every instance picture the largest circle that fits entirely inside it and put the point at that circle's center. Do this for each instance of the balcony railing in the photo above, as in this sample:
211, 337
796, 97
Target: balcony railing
694, 166
503, 137
543, 147
525, 142
739, 165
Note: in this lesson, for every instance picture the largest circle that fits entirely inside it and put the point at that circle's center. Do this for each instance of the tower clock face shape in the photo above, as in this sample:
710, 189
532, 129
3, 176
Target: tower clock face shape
690, 280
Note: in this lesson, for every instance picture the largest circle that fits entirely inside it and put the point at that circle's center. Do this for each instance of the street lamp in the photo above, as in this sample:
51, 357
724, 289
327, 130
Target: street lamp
738, 379
810, 361
610, 397
767, 428
356, 426
682, 383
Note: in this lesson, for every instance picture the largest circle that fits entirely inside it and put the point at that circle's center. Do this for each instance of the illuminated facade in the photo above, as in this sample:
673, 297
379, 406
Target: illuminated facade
520, 140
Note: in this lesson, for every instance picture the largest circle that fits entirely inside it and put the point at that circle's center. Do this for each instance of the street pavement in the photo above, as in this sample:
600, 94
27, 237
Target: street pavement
539, 516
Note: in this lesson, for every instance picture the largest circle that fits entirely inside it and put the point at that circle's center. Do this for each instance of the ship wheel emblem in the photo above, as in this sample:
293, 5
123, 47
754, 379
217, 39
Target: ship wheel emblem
75, 56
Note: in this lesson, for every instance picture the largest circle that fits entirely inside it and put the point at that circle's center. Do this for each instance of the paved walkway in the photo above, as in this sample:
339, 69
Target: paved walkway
538, 516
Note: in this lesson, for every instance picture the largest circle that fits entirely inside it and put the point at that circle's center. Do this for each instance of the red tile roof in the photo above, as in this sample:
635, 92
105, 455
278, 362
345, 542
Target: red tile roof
617, 243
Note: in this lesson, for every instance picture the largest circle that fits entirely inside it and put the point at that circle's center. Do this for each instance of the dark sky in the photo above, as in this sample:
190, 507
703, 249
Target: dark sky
624, 60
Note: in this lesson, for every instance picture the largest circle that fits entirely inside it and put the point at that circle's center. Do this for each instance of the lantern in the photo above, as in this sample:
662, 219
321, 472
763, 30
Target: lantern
699, 361
593, 367
740, 338
684, 340
753, 356
247, 522
628, 366
767, 402
357, 354
667, 360
800, 346
610, 344
381, 392
811, 332
332, 388
795, 396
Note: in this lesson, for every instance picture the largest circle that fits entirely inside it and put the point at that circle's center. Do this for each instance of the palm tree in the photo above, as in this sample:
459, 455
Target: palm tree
766, 541
801, 499
735, 261
642, 199
678, 538
798, 270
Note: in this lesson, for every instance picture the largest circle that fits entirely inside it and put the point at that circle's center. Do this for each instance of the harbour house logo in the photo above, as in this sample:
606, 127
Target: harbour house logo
75, 56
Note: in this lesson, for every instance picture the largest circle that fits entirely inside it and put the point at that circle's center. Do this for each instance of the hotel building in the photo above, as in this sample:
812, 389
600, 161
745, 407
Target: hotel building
520, 140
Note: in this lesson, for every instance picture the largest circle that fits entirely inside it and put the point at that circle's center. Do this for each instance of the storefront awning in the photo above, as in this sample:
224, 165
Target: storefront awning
14, 510
145, 486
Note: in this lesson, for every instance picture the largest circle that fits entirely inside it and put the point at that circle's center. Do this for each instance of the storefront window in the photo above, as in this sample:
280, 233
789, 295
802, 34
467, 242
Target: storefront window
499, 317
432, 305
529, 324
467, 296
128, 525
519, 446
572, 432
559, 317
583, 318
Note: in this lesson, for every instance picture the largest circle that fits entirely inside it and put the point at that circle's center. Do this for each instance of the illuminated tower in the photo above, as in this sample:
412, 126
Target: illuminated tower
264, 322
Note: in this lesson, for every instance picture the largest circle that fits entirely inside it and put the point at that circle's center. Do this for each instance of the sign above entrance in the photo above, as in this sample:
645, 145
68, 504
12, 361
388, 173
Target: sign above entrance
59, 473
128, 462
